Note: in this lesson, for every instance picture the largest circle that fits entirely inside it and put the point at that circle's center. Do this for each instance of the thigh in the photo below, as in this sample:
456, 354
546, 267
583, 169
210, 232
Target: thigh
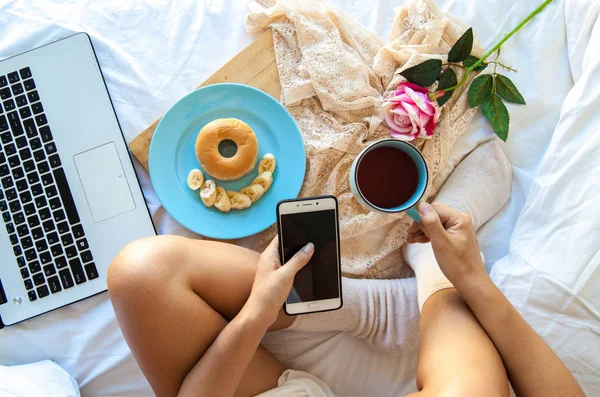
173, 296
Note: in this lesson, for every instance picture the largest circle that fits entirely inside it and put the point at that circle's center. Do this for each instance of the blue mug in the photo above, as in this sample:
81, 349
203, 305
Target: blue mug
410, 206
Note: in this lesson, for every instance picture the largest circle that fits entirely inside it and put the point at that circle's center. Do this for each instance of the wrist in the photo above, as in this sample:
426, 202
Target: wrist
253, 315
472, 279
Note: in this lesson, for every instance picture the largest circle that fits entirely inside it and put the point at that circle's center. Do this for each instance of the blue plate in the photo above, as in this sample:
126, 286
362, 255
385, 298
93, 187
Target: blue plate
172, 156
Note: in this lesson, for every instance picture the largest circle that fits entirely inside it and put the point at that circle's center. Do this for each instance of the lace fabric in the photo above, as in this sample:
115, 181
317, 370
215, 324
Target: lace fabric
334, 75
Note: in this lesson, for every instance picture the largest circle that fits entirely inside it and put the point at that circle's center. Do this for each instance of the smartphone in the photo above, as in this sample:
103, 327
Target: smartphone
317, 286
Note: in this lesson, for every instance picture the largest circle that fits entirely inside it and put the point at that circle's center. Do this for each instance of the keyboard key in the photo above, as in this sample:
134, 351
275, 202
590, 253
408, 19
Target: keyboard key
60, 262
59, 215
45, 257
82, 244
25, 73
50, 148
21, 142
25, 197
78, 231
32, 296
37, 189
6, 137
86, 256
65, 278
30, 129
14, 239
7, 182
33, 221
18, 218
65, 195
49, 270
29, 209
21, 184
71, 251
33, 178
53, 239
41, 245
10, 149
54, 161
91, 271
43, 291
47, 179
4, 170
29, 166
24, 272
21, 100
30, 255
11, 194
41, 202
66, 239
3, 205
6, 216
5, 93
29, 84
39, 155
43, 167
41, 120
13, 77
44, 213
39, 279
13, 161
37, 233
14, 206
28, 284
33, 96
3, 123
22, 230
21, 261
15, 123
3, 81
48, 226
37, 108
17, 89
9, 104
25, 154
56, 249
78, 274
63, 227
1, 193
25, 112
35, 143
34, 267
54, 284
17, 250
46, 134
54, 203
51, 191
26, 242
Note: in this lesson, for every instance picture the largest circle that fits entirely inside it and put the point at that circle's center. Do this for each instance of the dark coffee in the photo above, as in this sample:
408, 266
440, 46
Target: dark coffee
387, 177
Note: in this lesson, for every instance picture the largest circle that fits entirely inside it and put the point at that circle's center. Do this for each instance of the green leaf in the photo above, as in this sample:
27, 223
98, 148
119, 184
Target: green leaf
507, 90
480, 88
462, 48
425, 73
494, 110
470, 61
447, 79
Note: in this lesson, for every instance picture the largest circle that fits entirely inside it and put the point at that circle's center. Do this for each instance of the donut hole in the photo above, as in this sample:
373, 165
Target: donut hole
227, 148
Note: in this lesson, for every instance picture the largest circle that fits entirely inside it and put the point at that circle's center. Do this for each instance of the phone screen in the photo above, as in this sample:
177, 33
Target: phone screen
319, 278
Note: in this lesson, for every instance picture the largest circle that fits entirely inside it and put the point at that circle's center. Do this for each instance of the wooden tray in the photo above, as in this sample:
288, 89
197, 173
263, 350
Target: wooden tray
254, 66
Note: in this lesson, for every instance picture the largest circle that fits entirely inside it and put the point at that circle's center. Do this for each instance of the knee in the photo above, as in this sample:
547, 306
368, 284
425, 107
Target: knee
142, 265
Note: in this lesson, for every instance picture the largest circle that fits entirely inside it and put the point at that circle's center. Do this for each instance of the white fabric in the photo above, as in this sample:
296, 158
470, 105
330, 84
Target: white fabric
299, 384
40, 379
152, 53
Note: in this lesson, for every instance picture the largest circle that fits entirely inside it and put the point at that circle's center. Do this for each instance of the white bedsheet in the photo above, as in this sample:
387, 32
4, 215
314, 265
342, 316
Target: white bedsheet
154, 52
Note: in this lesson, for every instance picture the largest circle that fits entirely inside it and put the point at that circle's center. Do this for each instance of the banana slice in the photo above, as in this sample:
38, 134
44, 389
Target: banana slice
195, 179
254, 191
239, 201
222, 202
208, 192
265, 179
267, 163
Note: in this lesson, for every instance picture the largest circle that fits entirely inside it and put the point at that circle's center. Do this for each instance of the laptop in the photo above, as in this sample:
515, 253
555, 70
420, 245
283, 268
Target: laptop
69, 196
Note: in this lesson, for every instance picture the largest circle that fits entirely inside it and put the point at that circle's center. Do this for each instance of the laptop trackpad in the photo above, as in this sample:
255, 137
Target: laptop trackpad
104, 182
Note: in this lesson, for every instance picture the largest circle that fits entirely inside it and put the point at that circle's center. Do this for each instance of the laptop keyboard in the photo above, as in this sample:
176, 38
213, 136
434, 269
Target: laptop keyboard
36, 203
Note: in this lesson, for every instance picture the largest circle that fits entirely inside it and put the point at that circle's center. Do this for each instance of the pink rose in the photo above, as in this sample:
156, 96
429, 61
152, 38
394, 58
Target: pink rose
410, 113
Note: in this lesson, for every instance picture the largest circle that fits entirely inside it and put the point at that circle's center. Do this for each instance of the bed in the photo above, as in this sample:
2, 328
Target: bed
152, 53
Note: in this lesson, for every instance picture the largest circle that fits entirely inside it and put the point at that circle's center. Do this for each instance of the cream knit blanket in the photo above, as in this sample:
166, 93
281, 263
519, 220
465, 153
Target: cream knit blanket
334, 74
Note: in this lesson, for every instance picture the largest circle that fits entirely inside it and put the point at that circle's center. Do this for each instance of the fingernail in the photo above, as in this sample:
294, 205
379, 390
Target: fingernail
308, 248
424, 208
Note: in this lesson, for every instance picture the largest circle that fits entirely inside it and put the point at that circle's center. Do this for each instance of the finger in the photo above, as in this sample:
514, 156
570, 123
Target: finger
299, 260
272, 253
448, 217
430, 221
421, 240
414, 228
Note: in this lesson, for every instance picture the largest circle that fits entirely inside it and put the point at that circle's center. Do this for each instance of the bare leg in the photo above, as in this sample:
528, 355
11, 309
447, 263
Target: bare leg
173, 296
456, 356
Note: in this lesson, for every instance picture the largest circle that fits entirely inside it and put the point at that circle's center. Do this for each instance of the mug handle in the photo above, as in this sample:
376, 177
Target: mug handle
414, 213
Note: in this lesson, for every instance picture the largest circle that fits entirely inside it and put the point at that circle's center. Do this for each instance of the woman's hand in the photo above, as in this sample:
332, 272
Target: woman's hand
453, 239
273, 282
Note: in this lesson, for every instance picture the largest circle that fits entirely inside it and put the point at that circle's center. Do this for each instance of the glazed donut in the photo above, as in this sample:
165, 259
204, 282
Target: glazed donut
227, 168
